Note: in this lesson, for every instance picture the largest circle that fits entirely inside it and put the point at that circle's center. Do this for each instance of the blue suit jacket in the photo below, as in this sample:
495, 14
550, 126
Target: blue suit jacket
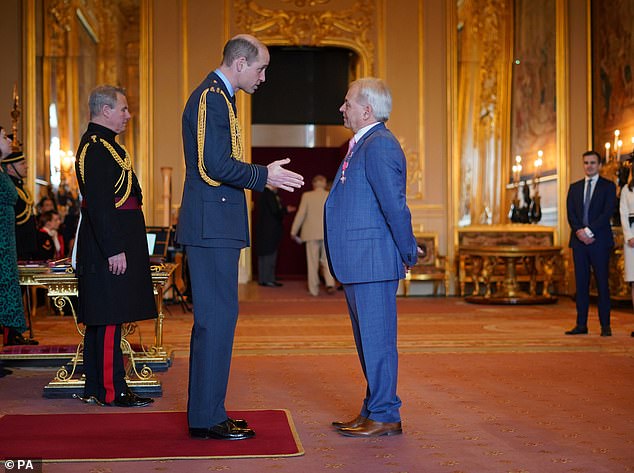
601, 210
214, 216
367, 224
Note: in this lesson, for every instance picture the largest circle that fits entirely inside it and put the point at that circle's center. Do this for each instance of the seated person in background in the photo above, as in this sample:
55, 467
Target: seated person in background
45, 204
50, 244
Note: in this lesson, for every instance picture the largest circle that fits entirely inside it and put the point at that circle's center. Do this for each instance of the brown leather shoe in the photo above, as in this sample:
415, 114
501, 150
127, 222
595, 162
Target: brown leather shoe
370, 428
356, 422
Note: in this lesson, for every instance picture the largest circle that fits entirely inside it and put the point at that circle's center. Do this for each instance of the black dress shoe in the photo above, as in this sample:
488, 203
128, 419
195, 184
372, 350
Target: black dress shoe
606, 331
268, 284
130, 399
226, 430
277, 284
16, 338
243, 424
577, 331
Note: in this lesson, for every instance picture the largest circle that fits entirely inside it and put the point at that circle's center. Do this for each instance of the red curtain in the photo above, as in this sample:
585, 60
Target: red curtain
291, 259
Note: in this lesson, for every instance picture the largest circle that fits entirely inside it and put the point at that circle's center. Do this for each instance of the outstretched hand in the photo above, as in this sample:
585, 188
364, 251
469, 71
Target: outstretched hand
283, 178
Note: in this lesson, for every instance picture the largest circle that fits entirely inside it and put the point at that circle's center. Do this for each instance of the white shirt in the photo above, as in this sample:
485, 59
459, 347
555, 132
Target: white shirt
359, 134
593, 181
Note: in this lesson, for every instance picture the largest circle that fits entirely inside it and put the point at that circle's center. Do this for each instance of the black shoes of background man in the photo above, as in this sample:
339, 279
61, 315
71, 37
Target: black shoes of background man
605, 331
577, 331
16, 338
130, 399
228, 430
271, 284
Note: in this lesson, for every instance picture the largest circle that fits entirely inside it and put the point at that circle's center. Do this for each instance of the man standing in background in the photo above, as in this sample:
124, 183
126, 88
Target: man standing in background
309, 223
113, 265
590, 203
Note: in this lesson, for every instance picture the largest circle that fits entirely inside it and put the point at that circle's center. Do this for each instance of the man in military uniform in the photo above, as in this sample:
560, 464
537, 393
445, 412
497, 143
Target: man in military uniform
17, 169
213, 227
113, 266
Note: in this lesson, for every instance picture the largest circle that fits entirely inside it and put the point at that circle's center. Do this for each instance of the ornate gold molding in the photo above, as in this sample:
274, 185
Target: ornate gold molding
353, 28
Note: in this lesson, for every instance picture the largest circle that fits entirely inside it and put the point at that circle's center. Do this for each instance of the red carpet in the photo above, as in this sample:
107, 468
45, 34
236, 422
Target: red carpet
120, 436
46, 349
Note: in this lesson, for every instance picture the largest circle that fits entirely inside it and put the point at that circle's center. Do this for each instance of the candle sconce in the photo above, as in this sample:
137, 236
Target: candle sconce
524, 208
514, 213
535, 211
617, 168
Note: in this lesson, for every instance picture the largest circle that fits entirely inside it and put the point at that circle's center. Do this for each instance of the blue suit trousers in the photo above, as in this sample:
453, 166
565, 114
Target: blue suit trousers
214, 280
372, 308
597, 258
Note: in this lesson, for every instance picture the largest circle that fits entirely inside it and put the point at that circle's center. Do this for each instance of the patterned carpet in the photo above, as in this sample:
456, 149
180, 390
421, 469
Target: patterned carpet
484, 388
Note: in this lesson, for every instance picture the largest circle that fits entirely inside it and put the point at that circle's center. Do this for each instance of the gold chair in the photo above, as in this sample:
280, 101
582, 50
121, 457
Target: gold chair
431, 267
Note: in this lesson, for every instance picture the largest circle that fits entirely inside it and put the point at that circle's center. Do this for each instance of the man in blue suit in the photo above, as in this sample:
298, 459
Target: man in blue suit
370, 244
213, 227
591, 202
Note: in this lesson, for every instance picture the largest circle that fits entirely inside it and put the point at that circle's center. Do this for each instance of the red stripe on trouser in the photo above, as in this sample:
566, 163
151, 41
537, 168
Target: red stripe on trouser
108, 361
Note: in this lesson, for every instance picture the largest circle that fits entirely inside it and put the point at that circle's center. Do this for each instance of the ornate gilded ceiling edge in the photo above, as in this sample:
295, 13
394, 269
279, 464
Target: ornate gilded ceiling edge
57, 25
347, 28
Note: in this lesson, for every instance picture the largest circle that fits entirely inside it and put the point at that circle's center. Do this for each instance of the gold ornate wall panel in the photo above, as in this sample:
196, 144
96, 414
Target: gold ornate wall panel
350, 24
84, 43
483, 52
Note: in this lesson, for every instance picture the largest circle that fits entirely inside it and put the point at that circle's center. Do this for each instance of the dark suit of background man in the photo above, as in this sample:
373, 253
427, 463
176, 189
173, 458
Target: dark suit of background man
268, 228
113, 265
590, 203
370, 244
213, 227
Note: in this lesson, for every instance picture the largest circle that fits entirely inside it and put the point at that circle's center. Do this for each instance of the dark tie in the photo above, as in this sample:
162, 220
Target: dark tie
586, 201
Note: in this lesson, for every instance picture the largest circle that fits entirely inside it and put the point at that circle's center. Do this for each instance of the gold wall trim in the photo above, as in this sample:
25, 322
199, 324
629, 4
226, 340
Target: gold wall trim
415, 206
146, 107
505, 115
563, 115
421, 102
453, 173
184, 17
590, 144
29, 89
381, 54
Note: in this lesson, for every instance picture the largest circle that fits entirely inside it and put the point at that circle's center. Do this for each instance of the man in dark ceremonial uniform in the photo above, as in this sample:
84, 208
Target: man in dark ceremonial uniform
213, 227
113, 266
25, 227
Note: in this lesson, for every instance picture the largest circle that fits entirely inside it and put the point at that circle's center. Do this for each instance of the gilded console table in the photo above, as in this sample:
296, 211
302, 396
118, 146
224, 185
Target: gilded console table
538, 261
61, 286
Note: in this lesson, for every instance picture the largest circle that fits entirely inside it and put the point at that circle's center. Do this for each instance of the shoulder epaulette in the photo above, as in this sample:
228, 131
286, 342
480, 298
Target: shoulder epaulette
237, 151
